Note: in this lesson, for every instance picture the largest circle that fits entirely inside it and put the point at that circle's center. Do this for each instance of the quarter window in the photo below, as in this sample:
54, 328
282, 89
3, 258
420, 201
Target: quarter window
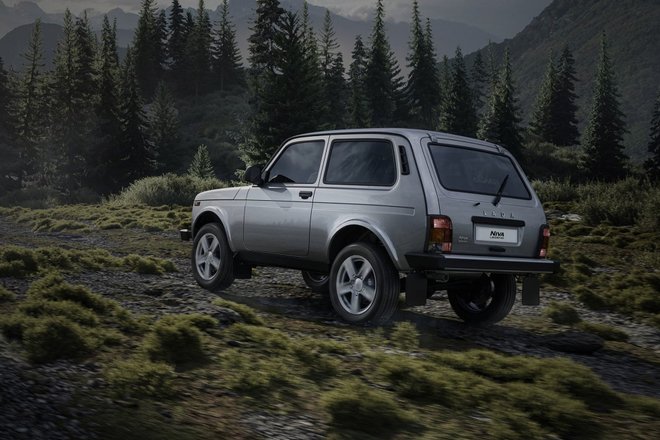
361, 163
298, 163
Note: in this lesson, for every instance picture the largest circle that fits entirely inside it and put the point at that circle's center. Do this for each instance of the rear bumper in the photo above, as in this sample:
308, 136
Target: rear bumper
472, 263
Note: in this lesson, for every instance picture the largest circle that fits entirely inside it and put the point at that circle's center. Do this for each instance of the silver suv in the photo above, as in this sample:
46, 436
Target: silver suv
367, 214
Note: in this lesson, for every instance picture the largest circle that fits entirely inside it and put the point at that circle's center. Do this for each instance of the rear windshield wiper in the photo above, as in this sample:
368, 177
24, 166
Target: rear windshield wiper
498, 196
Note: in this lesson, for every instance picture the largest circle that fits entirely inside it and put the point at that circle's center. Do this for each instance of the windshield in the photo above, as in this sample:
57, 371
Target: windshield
475, 171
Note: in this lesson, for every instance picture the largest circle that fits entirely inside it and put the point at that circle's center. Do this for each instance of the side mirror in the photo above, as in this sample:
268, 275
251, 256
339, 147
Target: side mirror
253, 175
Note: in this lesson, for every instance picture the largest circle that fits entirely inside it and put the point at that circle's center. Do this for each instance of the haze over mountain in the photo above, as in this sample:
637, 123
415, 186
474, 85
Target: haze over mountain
632, 27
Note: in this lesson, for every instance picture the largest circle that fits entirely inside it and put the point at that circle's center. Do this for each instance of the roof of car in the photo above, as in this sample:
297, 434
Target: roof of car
405, 132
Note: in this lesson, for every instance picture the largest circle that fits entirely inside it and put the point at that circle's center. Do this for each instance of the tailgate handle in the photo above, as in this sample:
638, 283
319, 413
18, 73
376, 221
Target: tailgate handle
305, 194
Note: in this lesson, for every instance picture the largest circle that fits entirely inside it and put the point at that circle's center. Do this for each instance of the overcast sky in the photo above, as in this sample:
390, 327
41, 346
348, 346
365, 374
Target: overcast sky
500, 17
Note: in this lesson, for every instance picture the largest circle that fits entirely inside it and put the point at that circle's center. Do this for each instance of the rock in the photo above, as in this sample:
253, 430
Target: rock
571, 217
573, 342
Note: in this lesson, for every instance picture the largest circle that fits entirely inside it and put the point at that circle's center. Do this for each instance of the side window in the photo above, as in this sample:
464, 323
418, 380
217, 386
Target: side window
299, 163
368, 162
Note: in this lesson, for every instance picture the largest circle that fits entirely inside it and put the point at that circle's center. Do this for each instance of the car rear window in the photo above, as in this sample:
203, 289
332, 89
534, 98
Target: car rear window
361, 162
476, 171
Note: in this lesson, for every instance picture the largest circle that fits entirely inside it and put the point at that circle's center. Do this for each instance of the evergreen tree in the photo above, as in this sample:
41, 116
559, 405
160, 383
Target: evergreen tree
544, 121
444, 78
146, 44
198, 50
385, 97
86, 49
164, 127
201, 166
458, 115
10, 165
423, 81
332, 69
176, 43
501, 121
262, 41
161, 34
31, 111
652, 165
566, 130
480, 80
358, 109
135, 155
227, 57
604, 158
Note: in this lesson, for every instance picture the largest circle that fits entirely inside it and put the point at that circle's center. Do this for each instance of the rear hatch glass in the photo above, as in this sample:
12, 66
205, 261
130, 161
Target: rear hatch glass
477, 171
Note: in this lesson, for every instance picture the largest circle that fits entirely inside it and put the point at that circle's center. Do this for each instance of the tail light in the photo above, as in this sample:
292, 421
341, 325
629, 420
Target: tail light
544, 241
440, 234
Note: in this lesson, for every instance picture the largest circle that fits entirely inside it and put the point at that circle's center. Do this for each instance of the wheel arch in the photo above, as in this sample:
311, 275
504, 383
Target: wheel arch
355, 231
212, 216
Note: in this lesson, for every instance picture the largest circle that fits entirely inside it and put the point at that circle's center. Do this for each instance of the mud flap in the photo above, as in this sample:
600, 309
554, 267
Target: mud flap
530, 291
416, 289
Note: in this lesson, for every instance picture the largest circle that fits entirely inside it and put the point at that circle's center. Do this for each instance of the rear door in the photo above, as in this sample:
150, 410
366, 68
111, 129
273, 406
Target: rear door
277, 214
493, 208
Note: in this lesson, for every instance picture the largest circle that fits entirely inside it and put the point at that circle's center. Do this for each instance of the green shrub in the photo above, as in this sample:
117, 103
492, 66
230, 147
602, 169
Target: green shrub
355, 406
405, 336
606, 332
55, 337
317, 365
148, 265
590, 298
174, 339
53, 287
555, 190
6, 295
140, 378
267, 338
492, 365
67, 309
168, 189
562, 313
247, 313
258, 377
614, 203
13, 326
17, 261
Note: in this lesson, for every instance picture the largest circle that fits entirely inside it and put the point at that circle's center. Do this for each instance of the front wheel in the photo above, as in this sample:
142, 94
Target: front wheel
486, 301
212, 259
364, 284
317, 281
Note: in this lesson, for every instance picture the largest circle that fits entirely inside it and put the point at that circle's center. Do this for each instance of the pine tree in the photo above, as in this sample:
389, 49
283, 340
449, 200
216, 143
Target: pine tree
227, 57
10, 165
566, 130
198, 50
332, 69
135, 155
652, 165
262, 41
458, 115
31, 112
164, 127
501, 121
385, 97
480, 81
358, 109
423, 81
544, 121
86, 50
201, 166
604, 158
176, 43
146, 44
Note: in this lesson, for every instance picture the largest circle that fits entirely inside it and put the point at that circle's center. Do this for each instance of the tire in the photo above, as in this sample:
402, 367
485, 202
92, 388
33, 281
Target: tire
486, 301
212, 260
317, 281
364, 284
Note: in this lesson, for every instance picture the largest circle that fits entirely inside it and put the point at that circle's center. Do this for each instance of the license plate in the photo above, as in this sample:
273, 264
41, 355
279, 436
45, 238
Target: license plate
496, 234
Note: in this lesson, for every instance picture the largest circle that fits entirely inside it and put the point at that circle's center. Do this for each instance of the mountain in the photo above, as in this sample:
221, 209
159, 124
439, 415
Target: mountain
15, 43
23, 13
632, 28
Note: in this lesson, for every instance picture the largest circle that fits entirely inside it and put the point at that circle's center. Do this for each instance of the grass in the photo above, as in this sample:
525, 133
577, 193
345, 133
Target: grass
247, 313
178, 339
140, 378
6, 295
562, 313
605, 331
168, 189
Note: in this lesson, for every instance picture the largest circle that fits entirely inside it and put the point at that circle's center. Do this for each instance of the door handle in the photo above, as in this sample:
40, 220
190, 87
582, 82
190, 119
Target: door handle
305, 194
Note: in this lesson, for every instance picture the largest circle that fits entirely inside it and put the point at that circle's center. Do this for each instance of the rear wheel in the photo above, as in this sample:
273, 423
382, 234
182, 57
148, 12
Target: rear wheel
212, 259
486, 301
364, 284
317, 281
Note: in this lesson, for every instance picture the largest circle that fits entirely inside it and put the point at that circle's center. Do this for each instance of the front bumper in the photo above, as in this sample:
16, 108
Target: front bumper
475, 263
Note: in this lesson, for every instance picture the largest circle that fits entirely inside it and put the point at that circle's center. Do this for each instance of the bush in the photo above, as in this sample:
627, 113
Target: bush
53, 288
168, 189
562, 313
148, 265
17, 261
55, 337
618, 204
174, 339
140, 378
248, 314
354, 405
555, 190
67, 309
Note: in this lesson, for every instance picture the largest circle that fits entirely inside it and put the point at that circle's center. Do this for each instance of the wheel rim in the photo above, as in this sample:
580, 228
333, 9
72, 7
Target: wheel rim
207, 256
479, 300
317, 277
356, 285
